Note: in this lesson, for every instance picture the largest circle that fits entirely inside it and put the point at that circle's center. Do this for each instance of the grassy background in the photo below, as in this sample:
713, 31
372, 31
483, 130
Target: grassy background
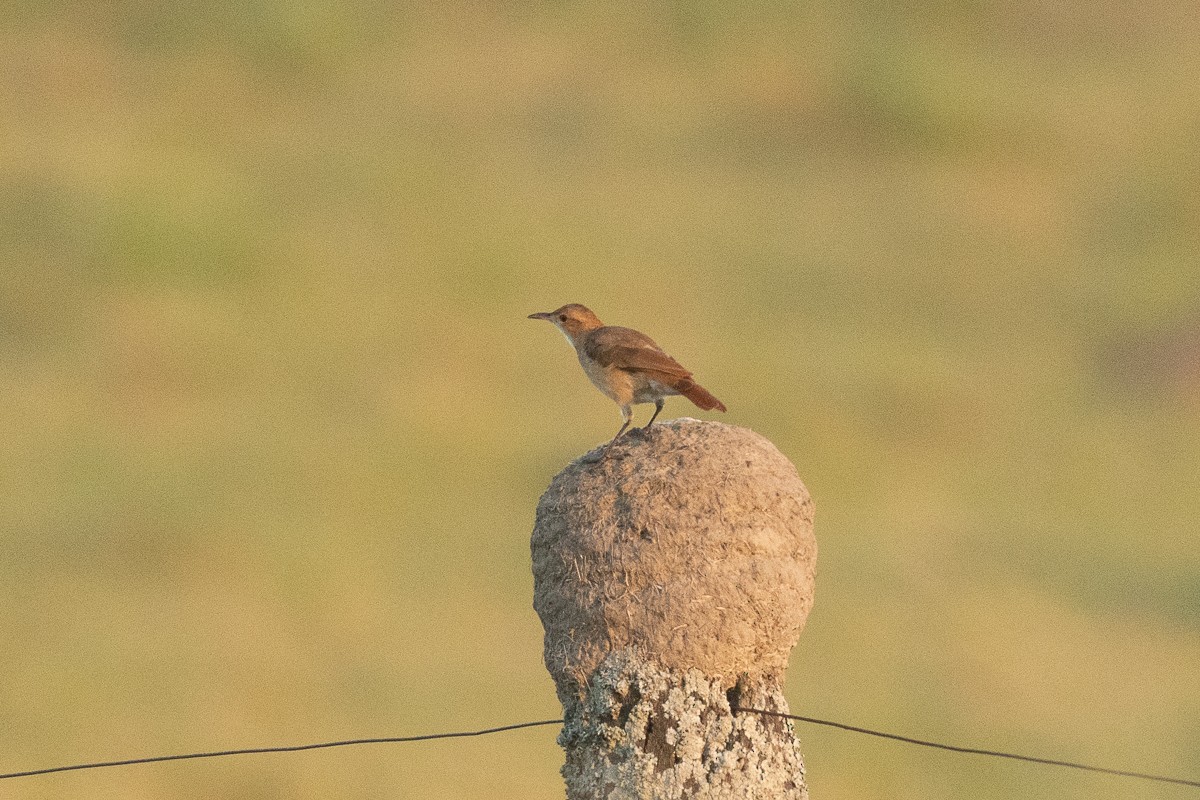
274, 423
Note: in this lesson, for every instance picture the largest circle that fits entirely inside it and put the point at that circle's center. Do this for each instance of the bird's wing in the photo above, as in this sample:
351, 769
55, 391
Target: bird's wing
631, 350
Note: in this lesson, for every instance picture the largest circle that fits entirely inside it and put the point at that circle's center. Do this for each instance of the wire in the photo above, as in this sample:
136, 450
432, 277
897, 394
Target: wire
286, 749
974, 750
520, 725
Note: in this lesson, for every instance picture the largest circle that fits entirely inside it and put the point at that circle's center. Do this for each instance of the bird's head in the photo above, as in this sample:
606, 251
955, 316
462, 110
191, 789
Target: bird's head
573, 320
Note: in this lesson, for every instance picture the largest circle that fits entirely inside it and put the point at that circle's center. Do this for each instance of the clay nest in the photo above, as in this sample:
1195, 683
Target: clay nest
692, 545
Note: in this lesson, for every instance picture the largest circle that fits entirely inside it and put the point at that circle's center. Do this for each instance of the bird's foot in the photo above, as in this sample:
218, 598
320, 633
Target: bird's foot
599, 454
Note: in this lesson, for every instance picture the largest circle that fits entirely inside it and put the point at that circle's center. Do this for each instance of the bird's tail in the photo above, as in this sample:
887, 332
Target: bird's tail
698, 395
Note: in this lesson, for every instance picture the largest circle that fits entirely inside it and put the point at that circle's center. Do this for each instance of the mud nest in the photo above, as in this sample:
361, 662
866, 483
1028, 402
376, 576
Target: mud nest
692, 545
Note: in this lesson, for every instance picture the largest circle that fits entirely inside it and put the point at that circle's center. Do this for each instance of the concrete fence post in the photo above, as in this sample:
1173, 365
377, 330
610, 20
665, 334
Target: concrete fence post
673, 578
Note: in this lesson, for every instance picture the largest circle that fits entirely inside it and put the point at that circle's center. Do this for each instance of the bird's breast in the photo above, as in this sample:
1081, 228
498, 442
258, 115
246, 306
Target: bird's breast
614, 382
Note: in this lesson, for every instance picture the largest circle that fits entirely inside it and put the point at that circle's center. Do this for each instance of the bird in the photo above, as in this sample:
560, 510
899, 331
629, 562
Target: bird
626, 365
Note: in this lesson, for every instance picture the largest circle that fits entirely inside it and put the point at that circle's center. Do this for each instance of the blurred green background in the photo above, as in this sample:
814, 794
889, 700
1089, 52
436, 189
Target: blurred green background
274, 423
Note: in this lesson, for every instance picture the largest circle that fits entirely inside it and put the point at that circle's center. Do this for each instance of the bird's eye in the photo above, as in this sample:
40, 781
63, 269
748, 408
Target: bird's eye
562, 317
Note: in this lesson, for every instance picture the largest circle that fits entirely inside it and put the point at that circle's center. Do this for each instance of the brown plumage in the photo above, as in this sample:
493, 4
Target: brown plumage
626, 364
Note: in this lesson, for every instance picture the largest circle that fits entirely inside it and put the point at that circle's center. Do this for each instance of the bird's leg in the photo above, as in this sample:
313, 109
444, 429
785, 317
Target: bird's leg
658, 406
627, 413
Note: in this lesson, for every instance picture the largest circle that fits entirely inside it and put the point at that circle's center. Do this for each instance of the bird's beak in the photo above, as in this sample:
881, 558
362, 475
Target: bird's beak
541, 315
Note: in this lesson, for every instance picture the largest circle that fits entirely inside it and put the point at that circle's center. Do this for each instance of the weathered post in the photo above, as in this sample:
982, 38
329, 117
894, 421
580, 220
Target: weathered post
673, 578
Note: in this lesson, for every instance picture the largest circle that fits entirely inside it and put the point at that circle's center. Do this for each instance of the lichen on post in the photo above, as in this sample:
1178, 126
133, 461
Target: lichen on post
673, 577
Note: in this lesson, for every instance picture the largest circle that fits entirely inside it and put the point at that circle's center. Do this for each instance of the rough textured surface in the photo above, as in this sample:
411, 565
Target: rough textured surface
673, 577
693, 544
653, 734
